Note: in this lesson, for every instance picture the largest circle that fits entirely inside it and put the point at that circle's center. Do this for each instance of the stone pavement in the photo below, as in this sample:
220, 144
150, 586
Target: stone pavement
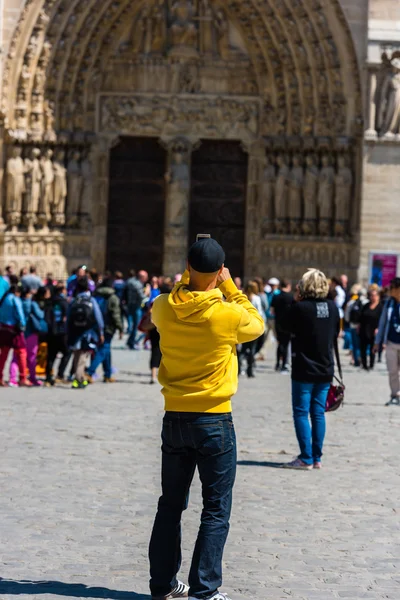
79, 481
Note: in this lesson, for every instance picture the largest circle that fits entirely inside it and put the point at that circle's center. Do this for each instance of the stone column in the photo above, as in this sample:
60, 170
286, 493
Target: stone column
177, 199
254, 222
100, 157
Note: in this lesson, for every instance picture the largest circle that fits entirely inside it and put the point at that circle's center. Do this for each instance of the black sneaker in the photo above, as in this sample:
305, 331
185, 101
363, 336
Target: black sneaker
394, 401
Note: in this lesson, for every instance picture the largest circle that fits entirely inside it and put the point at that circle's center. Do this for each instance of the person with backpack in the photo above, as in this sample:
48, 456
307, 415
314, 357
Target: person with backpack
35, 324
12, 326
57, 336
110, 307
85, 329
134, 296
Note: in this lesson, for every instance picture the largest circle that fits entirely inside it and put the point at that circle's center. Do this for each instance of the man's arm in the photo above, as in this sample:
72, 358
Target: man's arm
251, 324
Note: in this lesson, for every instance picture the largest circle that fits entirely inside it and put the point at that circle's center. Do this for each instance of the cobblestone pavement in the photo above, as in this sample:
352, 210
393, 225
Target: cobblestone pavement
79, 480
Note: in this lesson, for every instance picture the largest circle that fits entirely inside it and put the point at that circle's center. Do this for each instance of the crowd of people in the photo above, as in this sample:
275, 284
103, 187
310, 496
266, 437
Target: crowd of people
77, 320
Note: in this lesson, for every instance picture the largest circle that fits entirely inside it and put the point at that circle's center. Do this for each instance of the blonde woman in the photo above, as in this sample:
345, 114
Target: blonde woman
314, 324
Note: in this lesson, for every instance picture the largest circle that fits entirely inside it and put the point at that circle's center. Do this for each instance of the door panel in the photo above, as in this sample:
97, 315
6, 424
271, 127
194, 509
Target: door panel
135, 236
218, 202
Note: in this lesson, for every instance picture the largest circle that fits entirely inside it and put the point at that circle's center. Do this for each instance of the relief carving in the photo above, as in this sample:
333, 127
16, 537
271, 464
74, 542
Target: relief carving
60, 190
281, 193
47, 197
388, 97
164, 115
296, 180
311, 182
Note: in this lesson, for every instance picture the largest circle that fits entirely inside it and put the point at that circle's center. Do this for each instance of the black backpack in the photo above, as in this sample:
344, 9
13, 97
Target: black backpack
355, 312
81, 315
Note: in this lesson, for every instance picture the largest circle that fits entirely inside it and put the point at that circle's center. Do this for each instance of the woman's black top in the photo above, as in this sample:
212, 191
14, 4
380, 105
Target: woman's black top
314, 324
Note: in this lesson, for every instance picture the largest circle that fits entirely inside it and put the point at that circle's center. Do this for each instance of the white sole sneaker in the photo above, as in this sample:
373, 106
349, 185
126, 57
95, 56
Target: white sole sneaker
181, 590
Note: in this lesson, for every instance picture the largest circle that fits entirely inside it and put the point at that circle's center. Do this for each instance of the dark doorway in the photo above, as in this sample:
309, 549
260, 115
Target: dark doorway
218, 203
135, 235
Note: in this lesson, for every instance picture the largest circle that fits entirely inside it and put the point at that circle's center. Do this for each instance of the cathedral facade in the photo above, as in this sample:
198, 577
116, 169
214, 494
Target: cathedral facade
128, 126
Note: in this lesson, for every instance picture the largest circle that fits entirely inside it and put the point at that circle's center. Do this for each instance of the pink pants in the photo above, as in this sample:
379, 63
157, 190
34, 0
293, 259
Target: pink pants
32, 345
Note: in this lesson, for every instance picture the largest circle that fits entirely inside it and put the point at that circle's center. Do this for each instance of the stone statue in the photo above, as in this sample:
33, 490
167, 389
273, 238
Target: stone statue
47, 195
142, 33
85, 209
344, 184
267, 194
388, 109
281, 192
296, 181
325, 195
74, 189
206, 27
15, 187
158, 27
33, 180
178, 180
222, 28
183, 29
310, 196
59, 190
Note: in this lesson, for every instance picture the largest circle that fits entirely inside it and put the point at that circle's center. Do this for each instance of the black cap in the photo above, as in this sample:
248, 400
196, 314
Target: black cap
206, 256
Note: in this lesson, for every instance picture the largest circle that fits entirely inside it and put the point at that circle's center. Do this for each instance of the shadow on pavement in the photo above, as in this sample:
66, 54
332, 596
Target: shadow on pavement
69, 590
256, 463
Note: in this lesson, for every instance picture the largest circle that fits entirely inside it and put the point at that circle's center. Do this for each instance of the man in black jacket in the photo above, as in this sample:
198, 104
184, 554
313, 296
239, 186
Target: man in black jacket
56, 318
134, 296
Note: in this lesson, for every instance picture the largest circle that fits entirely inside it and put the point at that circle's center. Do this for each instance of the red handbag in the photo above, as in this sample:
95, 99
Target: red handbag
335, 397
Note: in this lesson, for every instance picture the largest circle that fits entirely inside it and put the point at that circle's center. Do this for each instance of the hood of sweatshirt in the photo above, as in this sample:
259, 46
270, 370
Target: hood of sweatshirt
105, 292
193, 307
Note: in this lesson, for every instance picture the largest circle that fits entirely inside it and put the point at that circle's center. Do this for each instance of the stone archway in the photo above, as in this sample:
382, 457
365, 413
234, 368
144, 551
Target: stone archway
280, 76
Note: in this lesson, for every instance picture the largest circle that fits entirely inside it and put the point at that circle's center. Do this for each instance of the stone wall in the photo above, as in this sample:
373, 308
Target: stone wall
356, 12
384, 10
380, 205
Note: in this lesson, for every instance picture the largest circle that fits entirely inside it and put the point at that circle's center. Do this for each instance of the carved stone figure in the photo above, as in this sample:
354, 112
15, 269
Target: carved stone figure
178, 179
281, 192
325, 195
158, 25
85, 209
222, 28
74, 189
296, 180
344, 183
142, 32
33, 180
311, 181
183, 29
47, 195
267, 194
388, 106
60, 190
206, 27
15, 187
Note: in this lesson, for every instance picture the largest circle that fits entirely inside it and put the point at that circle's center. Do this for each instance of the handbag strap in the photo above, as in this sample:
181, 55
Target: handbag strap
337, 355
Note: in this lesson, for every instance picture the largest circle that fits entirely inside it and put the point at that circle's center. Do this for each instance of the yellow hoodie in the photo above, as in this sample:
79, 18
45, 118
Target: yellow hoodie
199, 333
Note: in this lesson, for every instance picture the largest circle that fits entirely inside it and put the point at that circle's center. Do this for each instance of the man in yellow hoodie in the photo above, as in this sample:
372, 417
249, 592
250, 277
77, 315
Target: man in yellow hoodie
199, 373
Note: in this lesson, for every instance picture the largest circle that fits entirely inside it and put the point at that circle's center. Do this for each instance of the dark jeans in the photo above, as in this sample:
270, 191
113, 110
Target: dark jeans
103, 355
366, 343
282, 350
207, 441
56, 344
135, 314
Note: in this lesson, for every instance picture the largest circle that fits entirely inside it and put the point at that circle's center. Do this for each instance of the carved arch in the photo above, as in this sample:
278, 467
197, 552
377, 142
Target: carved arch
299, 50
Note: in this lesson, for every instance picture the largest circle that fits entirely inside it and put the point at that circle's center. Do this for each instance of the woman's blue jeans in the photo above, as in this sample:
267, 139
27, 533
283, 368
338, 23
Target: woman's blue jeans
309, 400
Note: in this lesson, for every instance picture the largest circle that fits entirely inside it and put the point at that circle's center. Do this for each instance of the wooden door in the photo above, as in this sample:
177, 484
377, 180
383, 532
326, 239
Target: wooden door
218, 200
135, 237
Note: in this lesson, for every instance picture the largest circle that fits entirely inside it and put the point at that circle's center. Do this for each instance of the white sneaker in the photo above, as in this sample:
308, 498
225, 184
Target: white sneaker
217, 596
181, 590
